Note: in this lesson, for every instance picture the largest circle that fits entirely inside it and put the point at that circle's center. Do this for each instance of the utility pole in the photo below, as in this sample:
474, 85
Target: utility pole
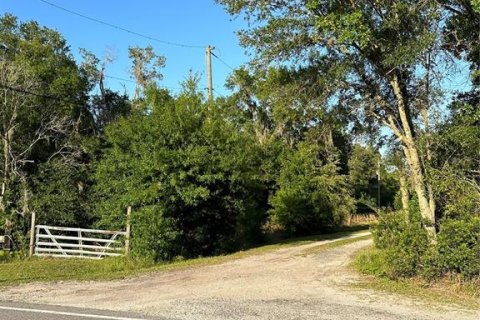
208, 54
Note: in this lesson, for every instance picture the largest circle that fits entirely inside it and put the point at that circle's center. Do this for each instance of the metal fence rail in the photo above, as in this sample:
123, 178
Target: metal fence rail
78, 243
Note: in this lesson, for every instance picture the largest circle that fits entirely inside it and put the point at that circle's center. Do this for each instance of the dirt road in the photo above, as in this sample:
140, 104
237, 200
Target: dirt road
285, 284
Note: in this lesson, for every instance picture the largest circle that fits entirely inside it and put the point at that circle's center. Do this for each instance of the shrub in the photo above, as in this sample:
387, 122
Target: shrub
4, 256
404, 244
457, 250
154, 237
192, 177
312, 195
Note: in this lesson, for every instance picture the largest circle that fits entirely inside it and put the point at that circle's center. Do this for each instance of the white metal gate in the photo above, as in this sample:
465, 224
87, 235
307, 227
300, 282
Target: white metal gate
78, 243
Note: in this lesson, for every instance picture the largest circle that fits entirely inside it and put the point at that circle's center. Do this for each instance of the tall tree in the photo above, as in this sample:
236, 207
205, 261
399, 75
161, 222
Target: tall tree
146, 65
106, 105
377, 55
43, 99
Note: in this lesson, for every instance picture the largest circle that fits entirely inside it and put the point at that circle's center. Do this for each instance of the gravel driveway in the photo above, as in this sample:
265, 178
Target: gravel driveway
285, 284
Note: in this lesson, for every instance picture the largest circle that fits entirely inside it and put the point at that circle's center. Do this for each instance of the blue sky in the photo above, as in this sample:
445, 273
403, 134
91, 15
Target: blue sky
192, 22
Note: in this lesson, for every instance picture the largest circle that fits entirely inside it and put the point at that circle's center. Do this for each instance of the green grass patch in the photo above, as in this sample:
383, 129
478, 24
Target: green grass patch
49, 269
4, 256
371, 262
283, 238
331, 245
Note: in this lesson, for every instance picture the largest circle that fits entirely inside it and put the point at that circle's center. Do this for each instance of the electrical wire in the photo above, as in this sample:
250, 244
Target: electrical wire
66, 98
5, 86
176, 44
118, 78
222, 61
133, 81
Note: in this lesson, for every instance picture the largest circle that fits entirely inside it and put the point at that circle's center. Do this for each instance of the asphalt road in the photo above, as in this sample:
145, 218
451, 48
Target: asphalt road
25, 311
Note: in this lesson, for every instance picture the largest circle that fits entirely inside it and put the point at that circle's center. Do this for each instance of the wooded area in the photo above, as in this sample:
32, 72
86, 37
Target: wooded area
346, 108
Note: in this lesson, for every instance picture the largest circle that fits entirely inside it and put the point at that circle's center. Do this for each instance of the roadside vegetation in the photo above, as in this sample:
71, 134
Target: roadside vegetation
447, 290
346, 108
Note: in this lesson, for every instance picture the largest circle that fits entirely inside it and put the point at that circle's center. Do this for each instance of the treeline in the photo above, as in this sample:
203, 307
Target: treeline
202, 177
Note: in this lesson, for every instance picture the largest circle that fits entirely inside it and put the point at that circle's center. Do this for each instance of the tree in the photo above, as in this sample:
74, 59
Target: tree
146, 67
192, 178
312, 195
107, 105
61, 194
43, 103
378, 57
456, 158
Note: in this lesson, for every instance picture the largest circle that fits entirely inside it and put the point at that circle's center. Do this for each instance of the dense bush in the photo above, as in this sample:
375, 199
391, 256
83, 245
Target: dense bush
363, 179
312, 195
457, 250
403, 242
406, 251
192, 178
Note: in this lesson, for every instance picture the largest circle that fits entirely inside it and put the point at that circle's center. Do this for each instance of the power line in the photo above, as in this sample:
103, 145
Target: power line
133, 81
120, 79
31, 93
222, 61
66, 98
176, 44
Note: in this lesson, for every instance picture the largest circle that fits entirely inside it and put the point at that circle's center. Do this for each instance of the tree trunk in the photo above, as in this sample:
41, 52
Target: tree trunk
413, 159
404, 193
428, 151
6, 165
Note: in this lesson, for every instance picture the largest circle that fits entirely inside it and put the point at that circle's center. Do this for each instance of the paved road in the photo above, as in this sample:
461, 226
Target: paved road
25, 311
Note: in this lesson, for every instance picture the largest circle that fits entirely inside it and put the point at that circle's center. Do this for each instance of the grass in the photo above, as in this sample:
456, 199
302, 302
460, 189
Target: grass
48, 269
371, 263
331, 245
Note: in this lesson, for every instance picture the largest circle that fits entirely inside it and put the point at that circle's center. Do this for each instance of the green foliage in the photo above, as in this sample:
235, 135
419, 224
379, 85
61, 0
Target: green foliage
404, 249
363, 169
461, 33
454, 166
37, 127
372, 261
311, 194
192, 178
156, 237
458, 197
146, 66
61, 195
348, 27
456, 251
4, 256
403, 243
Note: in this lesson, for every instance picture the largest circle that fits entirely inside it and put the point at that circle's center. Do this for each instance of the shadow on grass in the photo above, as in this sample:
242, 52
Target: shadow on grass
328, 234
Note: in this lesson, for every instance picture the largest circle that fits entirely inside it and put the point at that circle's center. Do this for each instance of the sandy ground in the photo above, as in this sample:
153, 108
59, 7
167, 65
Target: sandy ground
285, 284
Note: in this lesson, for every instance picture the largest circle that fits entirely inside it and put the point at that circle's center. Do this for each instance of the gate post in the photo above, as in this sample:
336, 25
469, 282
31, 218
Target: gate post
32, 234
127, 236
